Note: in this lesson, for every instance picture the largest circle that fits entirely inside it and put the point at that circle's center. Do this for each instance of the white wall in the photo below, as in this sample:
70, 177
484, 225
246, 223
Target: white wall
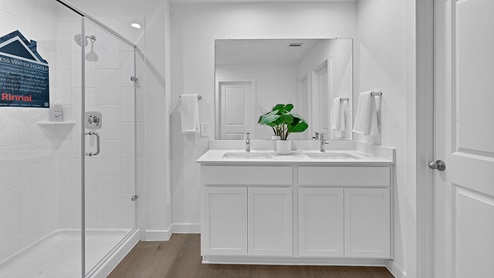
386, 47
274, 84
28, 191
194, 27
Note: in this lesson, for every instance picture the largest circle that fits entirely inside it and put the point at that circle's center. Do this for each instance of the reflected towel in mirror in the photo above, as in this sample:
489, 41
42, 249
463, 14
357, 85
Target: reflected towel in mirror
338, 117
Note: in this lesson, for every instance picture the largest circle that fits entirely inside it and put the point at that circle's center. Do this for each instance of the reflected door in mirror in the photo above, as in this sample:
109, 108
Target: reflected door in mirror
235, 103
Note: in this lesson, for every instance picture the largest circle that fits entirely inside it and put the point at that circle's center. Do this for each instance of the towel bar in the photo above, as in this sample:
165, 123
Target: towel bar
343, 99
198, 96
376, 93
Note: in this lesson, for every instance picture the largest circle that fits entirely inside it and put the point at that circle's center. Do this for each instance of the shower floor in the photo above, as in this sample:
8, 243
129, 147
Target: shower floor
59, 254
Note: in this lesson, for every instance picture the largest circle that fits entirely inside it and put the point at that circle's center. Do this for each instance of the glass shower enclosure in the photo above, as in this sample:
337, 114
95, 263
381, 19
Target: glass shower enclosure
68, 189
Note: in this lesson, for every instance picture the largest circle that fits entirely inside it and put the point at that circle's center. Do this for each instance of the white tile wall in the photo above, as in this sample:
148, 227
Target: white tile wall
40, 178
28, 164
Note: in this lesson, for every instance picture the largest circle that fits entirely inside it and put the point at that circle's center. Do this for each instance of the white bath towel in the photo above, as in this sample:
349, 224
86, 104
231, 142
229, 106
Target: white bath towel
338, 117
189, 113
366, 117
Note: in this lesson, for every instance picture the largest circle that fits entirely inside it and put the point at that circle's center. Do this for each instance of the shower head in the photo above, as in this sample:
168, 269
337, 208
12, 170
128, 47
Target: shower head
78, 39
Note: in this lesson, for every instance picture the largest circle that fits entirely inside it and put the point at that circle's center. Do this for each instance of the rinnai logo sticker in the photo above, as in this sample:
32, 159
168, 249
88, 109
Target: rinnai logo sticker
24, 74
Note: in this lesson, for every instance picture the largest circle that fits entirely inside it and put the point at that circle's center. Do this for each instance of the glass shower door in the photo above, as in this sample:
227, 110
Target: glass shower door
110, 132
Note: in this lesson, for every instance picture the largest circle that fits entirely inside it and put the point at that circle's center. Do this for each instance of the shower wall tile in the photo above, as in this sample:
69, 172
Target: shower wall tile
35, 161
107, 92
127, 180
127, 101
9, 215
64, 53
111, 129
11, 23
108, 193
127, 135
64, 86
106, 48
127, 68
19, 8
10, 245
109, 176
108, 162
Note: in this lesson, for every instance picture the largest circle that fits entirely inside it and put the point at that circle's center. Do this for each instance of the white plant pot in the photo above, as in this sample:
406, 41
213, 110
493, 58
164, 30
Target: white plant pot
274, 138
283, 146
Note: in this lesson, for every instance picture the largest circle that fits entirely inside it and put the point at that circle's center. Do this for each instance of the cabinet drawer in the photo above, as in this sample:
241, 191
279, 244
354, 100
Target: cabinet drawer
341, 176
247, 175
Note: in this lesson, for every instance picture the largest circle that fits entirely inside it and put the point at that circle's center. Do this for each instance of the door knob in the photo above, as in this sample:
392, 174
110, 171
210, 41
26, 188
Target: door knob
438, 165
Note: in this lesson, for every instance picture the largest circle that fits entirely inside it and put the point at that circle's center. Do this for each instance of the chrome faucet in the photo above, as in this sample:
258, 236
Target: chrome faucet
316, 135
247, 142
323, 142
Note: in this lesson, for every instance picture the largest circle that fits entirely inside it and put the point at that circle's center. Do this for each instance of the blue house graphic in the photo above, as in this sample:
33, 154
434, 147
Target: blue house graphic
24, 74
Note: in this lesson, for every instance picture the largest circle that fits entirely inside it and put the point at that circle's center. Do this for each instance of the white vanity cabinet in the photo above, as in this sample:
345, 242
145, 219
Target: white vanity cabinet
270, 221
320, 222
344, 206
367, 223
247, 210
296, 213
224, 224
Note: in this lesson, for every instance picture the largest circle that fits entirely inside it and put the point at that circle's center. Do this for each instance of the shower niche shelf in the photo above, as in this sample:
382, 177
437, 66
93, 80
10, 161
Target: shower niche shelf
48, 123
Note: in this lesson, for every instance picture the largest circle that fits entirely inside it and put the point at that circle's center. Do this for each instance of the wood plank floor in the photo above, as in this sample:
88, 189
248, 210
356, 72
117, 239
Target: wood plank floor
180, 257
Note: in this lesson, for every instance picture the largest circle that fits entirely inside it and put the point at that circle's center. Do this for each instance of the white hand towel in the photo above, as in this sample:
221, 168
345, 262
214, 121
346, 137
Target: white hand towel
338, 119
366, 117
189, 113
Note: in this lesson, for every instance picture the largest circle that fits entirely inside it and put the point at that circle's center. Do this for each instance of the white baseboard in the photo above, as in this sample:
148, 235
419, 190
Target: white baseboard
156, 235
176, 228
186, 228
395, 270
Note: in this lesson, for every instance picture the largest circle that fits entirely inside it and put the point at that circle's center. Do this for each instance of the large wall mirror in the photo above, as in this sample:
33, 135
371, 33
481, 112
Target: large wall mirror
253, 75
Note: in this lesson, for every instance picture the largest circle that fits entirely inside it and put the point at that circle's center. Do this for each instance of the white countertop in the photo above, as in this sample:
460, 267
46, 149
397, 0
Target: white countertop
266, 157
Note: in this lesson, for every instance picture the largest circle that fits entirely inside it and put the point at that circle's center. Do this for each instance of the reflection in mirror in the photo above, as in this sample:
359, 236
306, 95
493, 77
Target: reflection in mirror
252, 76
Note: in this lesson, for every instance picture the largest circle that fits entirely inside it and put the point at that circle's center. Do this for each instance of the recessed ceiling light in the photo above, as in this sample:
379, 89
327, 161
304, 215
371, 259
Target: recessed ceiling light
136, 25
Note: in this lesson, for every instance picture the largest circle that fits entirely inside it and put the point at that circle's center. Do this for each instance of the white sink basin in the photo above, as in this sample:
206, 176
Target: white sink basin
246, 155
325, 155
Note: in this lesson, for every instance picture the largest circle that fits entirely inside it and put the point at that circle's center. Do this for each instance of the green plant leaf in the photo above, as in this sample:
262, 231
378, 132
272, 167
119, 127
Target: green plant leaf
286, 119
289, 107
300, 127
269, 118
278, 107
282, 121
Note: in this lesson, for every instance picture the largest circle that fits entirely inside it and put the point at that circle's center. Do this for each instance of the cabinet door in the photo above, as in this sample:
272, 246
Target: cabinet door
270, 221
367, 223
321, 222
224, 221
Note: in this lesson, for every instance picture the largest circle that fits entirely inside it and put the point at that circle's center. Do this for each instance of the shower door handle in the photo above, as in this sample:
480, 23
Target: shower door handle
97, 143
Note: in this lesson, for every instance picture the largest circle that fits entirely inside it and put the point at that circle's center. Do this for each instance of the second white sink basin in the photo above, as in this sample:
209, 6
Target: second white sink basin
246, 155
332, 156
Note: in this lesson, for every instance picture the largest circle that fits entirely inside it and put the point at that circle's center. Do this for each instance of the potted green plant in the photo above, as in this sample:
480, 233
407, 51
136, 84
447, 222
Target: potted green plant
283, 122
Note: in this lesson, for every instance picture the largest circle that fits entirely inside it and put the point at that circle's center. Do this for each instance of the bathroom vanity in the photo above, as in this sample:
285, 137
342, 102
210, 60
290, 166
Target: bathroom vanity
309, 207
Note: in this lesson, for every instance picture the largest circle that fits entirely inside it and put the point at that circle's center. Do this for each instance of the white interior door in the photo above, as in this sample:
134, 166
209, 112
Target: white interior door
236, 116
464, 192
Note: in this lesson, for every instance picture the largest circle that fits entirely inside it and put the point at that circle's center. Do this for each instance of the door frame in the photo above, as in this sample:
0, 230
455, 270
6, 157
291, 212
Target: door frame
314, 90
217, 103
424, 136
